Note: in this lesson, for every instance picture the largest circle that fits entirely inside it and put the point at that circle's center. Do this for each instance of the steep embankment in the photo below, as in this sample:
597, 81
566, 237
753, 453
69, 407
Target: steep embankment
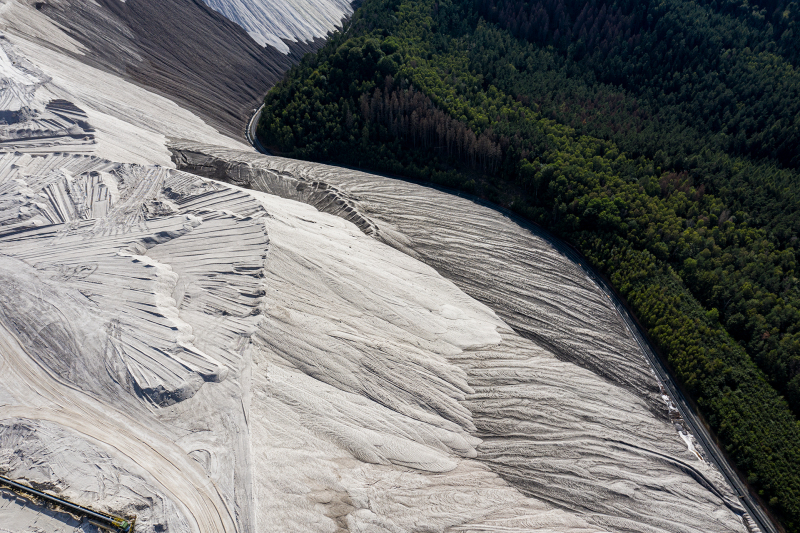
432, 91
138, 71
185, 50
58, 103
181, 49
295, 372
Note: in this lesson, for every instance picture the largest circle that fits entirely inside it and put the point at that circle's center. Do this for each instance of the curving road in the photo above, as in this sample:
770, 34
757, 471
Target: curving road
756, 518
250, 131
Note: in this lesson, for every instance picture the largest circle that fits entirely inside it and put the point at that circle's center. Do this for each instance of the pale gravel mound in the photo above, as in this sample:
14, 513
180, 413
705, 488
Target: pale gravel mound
529, 283
270, 23
593, 438
97, 355
180, 49
29, 123
338, 355
57, 103
214, 359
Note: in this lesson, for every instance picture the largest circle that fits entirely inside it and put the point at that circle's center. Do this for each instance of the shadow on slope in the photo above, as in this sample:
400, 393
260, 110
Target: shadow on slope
182, 49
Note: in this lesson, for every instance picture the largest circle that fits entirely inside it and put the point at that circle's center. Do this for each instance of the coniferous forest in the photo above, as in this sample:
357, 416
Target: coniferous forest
661, 139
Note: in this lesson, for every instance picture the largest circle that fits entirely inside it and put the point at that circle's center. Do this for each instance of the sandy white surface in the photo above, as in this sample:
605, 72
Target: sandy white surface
240, 359
270, 22
574, 417
271, 290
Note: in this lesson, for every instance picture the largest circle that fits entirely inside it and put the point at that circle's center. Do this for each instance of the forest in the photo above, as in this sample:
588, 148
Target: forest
659, 138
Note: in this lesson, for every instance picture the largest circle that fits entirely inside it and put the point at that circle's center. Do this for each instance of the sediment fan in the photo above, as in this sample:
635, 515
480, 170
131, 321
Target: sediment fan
289, 356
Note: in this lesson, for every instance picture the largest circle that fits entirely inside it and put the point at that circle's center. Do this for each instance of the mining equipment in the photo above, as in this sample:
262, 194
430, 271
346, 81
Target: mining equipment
108, 522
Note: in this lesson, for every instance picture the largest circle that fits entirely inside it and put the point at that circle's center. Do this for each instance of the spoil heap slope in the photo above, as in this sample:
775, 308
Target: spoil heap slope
535, 395
218, 348
214, 359
184, 50
272, 23
54, 102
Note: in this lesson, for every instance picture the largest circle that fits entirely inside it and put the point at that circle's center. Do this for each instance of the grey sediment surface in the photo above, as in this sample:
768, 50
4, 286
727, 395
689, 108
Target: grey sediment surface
551, 304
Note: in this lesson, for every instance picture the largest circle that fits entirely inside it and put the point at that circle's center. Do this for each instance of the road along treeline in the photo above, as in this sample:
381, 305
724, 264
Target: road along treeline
674, 180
